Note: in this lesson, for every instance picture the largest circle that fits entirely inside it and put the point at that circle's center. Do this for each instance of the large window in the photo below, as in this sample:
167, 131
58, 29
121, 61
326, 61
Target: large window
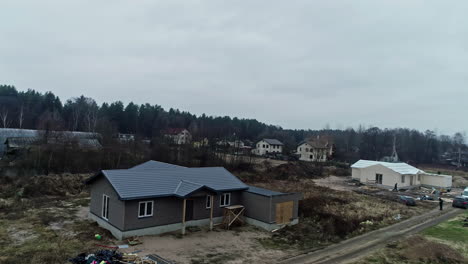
145, 209
208, 201
378, 178
105, 207
225, 199
402, 178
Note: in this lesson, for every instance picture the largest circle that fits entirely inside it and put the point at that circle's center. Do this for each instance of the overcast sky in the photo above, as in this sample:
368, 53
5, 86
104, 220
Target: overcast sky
297, 64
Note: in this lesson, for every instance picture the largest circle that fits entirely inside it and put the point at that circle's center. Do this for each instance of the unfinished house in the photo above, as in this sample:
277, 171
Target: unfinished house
316, 149
386, 174
268, 146
156, 197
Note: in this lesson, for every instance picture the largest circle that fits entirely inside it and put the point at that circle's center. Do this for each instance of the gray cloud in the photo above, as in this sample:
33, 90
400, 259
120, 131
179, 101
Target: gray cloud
298, 64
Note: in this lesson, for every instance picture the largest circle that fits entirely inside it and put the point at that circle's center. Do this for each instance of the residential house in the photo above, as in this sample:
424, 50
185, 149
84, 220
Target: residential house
268, 146
386, 174
201, 143
156, 197
315, 149
178, 136
125, 137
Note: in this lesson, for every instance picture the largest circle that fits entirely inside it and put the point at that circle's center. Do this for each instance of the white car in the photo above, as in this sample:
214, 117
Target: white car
465, 193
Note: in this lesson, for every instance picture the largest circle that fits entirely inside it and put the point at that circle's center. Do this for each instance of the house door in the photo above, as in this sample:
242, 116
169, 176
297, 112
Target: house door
189, 210
284, 212
411, 181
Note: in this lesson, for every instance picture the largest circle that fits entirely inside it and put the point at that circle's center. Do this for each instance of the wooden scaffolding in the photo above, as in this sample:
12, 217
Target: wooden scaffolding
232, 214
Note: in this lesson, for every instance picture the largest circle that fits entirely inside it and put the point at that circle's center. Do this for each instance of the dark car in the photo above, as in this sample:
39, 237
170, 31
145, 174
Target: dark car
407, 200
460, 201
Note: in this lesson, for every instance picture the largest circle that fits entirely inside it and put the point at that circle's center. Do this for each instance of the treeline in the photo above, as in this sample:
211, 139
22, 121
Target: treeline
35, 110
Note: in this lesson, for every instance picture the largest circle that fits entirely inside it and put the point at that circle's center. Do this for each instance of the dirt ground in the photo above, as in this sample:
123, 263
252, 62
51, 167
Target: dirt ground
341, 183
240, 245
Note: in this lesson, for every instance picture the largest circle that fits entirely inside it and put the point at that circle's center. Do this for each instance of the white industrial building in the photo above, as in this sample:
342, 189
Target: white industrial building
386, 174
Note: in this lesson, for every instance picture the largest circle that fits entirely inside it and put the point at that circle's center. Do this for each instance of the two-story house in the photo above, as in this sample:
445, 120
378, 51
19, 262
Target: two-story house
315, 149
268, 146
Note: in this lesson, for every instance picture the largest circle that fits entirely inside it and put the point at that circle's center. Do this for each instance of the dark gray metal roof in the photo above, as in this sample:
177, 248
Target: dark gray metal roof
273, 141
261, 191
180, 181
152, 164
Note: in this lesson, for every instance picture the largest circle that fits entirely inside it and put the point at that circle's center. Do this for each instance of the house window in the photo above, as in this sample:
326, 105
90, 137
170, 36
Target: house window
105, 207
300, 149
419, 177
307, 149
208, 201
225, 199
145, 209
311, 157
378, 178
263, 145
402, 178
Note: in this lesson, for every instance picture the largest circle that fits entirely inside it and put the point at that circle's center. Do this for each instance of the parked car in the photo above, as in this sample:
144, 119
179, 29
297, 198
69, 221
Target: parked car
460, 201
407, 200
465, 192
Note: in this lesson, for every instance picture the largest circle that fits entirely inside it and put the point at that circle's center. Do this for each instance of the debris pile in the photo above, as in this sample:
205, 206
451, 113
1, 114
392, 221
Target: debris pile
115, 257
99, 257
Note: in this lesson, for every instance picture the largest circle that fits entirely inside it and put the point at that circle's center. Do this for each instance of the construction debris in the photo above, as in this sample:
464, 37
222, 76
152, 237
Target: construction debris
99, 257
115, 257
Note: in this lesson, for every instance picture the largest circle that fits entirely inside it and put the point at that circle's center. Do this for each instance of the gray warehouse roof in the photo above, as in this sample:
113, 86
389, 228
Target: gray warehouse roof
261, 191
178, 181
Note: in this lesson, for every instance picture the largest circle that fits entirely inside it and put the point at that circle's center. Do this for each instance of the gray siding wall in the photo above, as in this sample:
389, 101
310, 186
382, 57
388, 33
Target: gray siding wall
116, 207
168, 210
257, 207
286, 198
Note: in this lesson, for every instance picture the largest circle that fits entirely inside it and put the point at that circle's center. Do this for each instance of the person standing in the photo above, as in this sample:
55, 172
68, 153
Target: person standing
441, 203
395, 189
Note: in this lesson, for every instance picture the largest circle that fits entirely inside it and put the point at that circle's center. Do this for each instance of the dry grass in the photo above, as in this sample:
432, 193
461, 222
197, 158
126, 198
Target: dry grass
443, 243
329, 216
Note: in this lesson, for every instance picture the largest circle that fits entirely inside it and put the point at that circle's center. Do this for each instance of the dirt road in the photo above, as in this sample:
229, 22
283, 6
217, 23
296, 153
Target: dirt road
355, 248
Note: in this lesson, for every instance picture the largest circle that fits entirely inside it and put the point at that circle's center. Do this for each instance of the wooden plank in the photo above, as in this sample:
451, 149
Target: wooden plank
183, 216
211, 211
284, 212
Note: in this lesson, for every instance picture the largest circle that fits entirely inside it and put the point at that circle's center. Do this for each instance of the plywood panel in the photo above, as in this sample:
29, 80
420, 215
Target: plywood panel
284, 212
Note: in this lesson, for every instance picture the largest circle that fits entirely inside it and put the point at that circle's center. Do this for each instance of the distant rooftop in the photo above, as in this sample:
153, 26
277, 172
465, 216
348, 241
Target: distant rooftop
402, 168
273, 141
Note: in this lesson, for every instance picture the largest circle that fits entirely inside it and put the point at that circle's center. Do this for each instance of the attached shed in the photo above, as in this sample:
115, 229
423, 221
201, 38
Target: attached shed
270, 209
436, 180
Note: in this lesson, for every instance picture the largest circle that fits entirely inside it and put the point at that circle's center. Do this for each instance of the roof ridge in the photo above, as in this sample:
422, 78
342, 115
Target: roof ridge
178, 186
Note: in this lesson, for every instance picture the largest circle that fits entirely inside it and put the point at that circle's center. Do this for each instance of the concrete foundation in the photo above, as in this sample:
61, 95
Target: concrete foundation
156, 230
268, 226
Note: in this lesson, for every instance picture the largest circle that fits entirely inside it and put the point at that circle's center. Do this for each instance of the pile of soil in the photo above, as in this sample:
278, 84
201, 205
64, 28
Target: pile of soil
417, 249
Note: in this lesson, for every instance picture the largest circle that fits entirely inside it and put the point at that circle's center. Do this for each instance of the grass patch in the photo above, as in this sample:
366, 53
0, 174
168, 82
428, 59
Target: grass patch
451, 230
446, 242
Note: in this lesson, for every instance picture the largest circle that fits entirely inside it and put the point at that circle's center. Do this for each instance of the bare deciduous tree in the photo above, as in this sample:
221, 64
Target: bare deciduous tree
21, 117
4, 118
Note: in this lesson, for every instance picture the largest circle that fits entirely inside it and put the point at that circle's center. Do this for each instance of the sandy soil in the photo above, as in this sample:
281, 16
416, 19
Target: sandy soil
237, 246
342, 183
